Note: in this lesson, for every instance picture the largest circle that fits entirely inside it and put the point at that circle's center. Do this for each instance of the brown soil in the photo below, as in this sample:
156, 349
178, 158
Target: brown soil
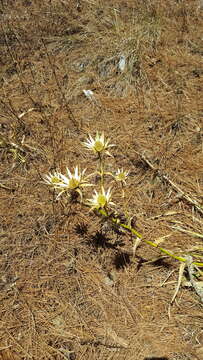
68, 289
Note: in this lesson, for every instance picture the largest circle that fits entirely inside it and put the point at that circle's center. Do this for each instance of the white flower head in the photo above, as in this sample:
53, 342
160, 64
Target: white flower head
77, 179
99, 144
121, 175
54, 179
70, 182
100, 199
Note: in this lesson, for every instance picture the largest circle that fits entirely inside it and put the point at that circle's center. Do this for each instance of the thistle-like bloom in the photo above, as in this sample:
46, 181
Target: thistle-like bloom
74, 181
71, 182
121, 175
100, 200
99, 144
53, 179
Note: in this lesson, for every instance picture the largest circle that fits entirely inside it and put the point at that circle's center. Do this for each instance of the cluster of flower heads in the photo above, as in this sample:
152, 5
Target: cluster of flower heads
75, 182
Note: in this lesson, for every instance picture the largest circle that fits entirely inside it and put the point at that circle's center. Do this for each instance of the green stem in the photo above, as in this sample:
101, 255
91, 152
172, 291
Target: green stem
137, 234
101, 169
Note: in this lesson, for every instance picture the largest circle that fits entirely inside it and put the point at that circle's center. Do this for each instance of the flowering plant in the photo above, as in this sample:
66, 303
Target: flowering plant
101, 200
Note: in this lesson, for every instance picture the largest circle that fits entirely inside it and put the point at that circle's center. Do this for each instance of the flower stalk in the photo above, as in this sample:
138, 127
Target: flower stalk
138, 235
101, 169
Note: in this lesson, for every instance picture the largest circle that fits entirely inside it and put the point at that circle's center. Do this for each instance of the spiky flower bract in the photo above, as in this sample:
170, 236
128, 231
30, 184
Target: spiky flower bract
98, 145
100, 200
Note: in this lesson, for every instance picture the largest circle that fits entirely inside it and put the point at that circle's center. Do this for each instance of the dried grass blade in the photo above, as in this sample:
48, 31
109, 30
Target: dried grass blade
192, 233
181, 270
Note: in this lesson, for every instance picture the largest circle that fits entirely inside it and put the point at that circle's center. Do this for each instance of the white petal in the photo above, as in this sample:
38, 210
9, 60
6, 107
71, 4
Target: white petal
69, 173
102, 138
76, 173
64, 179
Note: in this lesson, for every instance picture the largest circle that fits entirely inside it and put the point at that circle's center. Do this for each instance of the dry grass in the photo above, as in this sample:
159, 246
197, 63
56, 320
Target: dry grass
67, 291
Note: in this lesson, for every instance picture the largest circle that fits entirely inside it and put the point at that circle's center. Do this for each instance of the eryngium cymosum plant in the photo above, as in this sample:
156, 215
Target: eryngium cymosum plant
74, 185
